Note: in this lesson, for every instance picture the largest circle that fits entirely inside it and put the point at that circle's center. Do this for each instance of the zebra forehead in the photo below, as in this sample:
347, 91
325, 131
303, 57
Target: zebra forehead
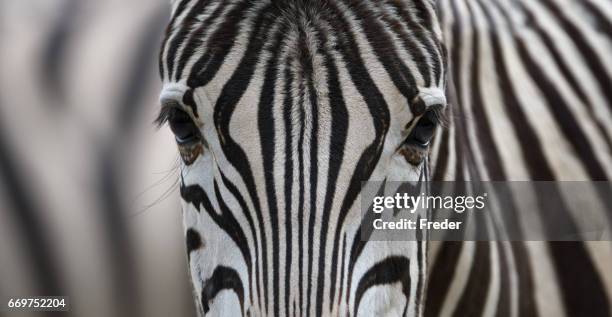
399, 36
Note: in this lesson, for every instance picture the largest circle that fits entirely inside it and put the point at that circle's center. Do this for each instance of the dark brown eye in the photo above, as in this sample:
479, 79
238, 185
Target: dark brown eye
183, 127
424, 130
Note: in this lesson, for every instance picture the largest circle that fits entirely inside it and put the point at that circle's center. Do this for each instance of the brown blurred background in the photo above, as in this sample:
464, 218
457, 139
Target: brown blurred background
88, 196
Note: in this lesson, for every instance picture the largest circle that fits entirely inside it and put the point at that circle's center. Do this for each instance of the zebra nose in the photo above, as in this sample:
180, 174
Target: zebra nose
424, 130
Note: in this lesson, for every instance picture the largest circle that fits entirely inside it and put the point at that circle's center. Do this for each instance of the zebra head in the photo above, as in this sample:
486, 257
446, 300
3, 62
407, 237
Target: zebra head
280, 110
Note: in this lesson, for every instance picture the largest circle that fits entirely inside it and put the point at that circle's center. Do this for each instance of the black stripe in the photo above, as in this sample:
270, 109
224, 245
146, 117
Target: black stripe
421, 265
189, 101
223, 278
477, 286
442, 272
582, 289
503, 305
302, 198
603, 25
527, 303
442, 158
193, 240
287, 120
55, 51
391, 270
342, 272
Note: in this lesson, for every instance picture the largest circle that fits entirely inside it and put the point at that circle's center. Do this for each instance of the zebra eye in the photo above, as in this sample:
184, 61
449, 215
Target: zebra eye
424, 130
187, 134
183, 127
416, 146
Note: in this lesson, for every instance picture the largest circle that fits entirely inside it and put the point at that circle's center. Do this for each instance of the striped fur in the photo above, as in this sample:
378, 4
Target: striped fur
531, 101
551, 51
521, 88
298, 102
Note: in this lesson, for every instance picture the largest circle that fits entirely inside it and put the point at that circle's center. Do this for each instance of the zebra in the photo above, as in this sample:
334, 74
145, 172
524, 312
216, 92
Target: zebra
530, 95
226, 64
57, 90
280, 110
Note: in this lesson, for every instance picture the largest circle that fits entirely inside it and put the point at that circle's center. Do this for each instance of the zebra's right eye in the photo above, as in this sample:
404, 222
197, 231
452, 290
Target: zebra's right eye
424, 130
416, 146
184, 129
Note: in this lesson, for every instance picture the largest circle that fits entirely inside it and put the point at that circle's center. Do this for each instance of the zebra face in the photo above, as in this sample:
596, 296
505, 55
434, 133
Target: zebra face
280, 111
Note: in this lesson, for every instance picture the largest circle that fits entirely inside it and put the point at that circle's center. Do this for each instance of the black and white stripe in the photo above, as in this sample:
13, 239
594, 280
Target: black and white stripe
531, 101
294, 104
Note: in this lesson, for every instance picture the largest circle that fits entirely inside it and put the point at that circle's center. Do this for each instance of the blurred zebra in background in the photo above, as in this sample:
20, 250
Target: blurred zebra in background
531, 99
78, 89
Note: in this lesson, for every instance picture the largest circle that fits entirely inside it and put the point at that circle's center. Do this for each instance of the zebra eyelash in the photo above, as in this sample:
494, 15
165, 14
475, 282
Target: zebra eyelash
441, 115
165, 114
